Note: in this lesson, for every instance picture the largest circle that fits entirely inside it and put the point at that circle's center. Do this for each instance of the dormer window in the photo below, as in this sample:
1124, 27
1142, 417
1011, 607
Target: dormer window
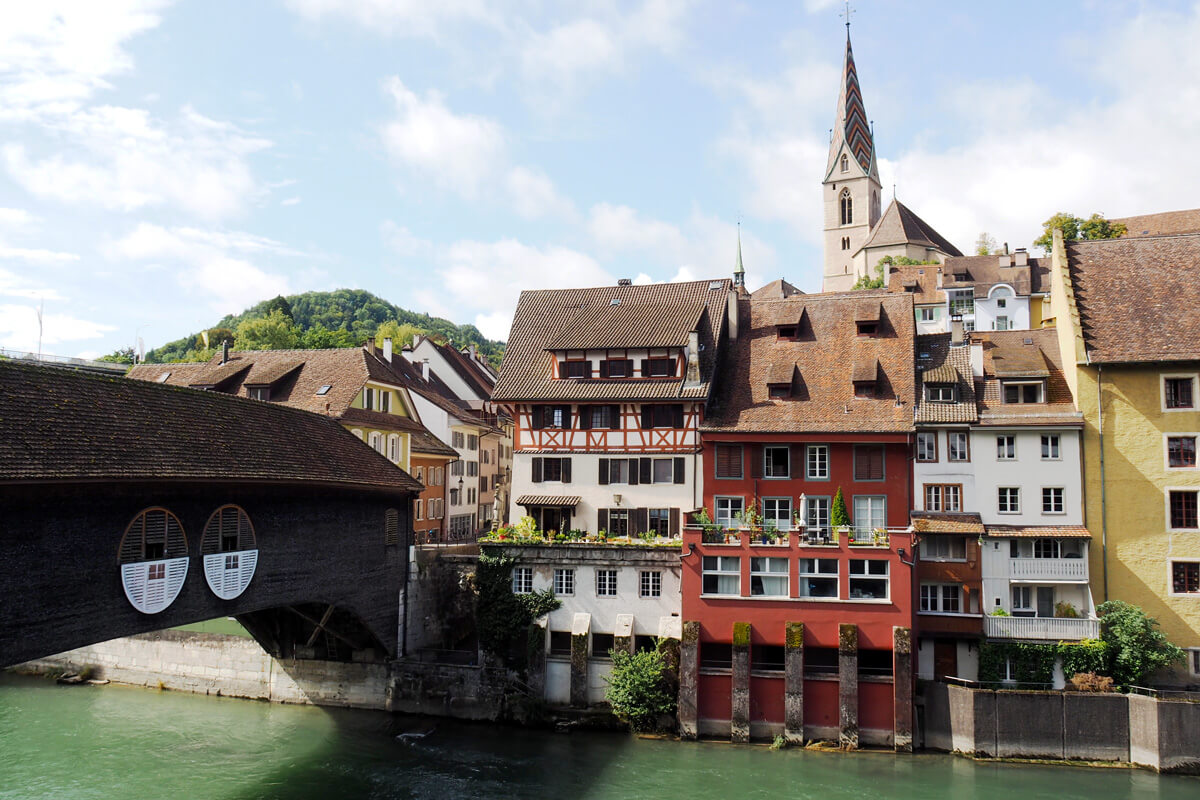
864, 389
941, 393
787, 331
1019, 392
867, 329
779, 391
577, 369
616, 368
658, 368
259, 392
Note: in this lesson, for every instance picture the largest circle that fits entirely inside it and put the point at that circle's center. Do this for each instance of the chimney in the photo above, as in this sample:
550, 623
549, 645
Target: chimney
1022, 257
425, 369
939, 277
1005, 258
956, 331
225, 351
387, 350
692, 378
473, 351
1006, 248
371, 345
732, 314
417, 338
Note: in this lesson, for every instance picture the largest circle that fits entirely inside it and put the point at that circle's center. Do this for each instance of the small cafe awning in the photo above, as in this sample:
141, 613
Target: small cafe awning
554, 501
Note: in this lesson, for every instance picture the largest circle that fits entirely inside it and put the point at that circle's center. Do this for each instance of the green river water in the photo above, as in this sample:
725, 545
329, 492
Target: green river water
67, 743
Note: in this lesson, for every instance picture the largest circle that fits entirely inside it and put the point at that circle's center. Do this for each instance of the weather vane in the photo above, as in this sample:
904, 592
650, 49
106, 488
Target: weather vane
846, 15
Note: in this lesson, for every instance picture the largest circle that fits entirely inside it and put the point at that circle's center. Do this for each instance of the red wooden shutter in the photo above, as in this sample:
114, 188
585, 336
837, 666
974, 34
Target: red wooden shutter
679, 469
726, 467
604, 472
797, 461
868, 463
537, 470
756, 461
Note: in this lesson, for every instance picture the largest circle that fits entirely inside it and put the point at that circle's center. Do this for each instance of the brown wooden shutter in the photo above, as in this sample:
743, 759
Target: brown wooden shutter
641, 520
756, 460
645, 368
633, 472
585, 418
680, 468
604, 368
537, 418
602, 519
587, 370
726, 467
614, 417
604, 472
537, 470
674, 522
647, 417
677, 415
645, 468
566, 415
868, 463
566, 470
629, 367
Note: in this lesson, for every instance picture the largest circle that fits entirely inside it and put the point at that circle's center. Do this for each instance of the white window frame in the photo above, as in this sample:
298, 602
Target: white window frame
726, 567
929, 436
522, 580
787, 462
819, 453
857, 525
420, 509
926, 314
936, 600
768, 571
810, 507
606, 582
816, 573
1006, 447
868, 575
1062, 502
1010, 492
1167, 453
784, 522
650, 583
934, 393
731, 520
966, 438
1051, 443
1162, 391
564, 582
1167, 507
1041, 392
1027, 596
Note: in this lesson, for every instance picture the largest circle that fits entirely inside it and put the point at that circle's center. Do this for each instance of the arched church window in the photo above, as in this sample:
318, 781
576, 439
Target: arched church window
875, 205
229, 550
847, 207
153, 555
845, 163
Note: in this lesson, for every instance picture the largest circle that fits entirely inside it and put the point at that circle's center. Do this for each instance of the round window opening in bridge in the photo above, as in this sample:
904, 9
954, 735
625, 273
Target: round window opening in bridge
154, 560
229, 550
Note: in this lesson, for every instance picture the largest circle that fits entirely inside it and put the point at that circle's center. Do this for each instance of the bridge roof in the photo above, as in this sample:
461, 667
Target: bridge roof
60, 425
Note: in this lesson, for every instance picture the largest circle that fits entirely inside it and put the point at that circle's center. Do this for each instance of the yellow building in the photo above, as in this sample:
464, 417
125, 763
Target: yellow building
1127, 313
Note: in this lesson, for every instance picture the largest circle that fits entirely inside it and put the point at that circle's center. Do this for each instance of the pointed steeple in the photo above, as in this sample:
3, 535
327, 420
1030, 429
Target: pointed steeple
739, 272
851, 131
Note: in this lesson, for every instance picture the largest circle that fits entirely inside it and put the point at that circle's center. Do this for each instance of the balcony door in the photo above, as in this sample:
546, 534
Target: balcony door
1045, 601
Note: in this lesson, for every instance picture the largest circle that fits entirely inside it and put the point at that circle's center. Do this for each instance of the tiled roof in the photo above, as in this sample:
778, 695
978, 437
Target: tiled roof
827, 349
775, 290
436, 392
1039, 531
548, 500
938, 362
628, 325
421, 440
918, 281
471, 373
1138, 298
63, 425
1021, 354
946, 522
899, 225
547, 318
1166, 223
981, 273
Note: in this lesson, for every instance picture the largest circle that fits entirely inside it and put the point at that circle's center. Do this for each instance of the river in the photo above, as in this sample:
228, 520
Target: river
71, 743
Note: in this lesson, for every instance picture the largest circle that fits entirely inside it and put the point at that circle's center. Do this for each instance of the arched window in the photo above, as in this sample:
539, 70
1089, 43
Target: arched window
357, 432
229, 550
376, 441
845, 163
845, 242
394, 448
153, 555
847, 207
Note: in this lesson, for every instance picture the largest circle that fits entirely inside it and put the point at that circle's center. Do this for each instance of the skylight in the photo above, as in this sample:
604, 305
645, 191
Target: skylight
324, 389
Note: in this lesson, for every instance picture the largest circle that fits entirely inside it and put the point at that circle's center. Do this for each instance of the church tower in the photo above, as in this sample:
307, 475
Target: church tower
851, 189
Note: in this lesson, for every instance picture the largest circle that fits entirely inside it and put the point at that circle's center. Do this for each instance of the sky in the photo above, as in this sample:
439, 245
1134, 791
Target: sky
163, 164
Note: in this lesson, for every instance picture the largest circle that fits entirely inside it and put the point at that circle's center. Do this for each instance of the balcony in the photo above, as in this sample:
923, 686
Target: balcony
802, 536
1074, 570
1054, 629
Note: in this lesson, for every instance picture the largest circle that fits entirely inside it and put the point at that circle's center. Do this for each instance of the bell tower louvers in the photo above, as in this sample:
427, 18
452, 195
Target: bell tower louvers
851, 188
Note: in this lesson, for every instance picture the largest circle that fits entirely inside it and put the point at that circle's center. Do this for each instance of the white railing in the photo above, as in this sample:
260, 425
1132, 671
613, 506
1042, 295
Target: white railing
1049, 568
1051, 628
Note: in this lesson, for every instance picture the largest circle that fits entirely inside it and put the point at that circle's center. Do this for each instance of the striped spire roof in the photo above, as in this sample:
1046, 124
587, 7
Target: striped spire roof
851, 127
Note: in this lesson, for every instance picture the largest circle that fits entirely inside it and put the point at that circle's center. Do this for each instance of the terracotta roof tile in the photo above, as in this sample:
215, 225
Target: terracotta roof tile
1006, 354
899, 225
1039, 531
775, 290
629, 325
946, 522
939, 362
1163, 224
918, 281
981, 273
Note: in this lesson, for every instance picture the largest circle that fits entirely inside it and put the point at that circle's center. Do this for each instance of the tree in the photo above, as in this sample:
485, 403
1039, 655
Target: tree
400, 334
838, 517
1073, 228
279, 303
216, 337
276, 331
985, 244
1137, 648
639, 688
122, 355
319, 337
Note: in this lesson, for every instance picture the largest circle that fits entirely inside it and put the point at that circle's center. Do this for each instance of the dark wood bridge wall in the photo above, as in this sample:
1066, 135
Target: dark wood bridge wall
60, 581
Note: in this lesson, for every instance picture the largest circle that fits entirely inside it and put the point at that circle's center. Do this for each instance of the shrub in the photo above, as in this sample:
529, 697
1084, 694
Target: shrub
1137, 647
639, 688
1091, 682
838, 517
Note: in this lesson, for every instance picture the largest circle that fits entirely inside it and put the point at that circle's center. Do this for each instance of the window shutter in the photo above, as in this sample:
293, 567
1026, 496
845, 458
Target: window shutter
629, 367
797, 452
647, 417
566, 415
585, 418
566, 470
537, 470
537, 418
674, 522
641, 518
614, 417
756, 461
677, 411
645, 368
868, 463
604, 472
679, 470
604, 369
725, 466
633, 472
602, 518
644, 467
587, 373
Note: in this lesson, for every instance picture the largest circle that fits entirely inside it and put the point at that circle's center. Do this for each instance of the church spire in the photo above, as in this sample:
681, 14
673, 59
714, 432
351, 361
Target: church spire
851, 131
739, 272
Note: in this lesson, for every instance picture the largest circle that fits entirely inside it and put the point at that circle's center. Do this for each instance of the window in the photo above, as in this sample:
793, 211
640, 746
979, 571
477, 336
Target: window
606, 583
659, 368
564, 581
1001, 323
1050, 447
551, 470
778, 511
926, 314
941, 598
818, 514
156, 572
786, 332
1022, 598
231, 562
551, 417
728, 508
817, 461
766, 658
941, 393
819, 577
845, 163
722, 575
943, 497
716, 655
602, 645
944, 548
1022, 392
324, 390
868, 579
663, 470
472, 469
847, 207
779, 391
458, 439
1183, 509
866, 329
776, 461
602, 416
1006, 448
368, 398
958, 446
729, 461
377, 442
560, 644
870, 512
577, 369
259, 392
472, 442
394, 448
385, 401
864, 389
1047, 548
868, 462
1008, 500
522, 580
768, 577
662, 416
845, 242
927, 446
1185, 577
420, 509
1052, 500
1178, 393
649, 583
1181, 452
618, 522
618, 470
659, 520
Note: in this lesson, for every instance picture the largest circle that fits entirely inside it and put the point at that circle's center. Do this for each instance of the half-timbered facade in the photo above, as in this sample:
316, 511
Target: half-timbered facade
607, 388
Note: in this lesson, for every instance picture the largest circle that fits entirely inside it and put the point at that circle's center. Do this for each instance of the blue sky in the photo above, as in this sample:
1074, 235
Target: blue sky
163, 164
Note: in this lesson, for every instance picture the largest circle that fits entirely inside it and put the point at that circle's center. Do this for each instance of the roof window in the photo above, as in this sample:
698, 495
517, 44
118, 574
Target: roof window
163, 378
324, 389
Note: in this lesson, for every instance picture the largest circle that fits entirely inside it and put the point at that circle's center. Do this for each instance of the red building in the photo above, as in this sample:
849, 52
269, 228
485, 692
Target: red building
792, 624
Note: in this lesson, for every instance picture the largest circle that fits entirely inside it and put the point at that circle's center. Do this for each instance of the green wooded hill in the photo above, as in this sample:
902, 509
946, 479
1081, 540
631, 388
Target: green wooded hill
313, 320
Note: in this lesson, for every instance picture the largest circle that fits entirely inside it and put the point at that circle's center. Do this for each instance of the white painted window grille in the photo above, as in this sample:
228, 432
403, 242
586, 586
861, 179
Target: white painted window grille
1008, 500
941, 597
1052, 500
958, 446
649, 583
1006, 448
817, 460
817, 515
819, 577
778, 511
870, 512
868, 579
927, 446
943, 548
564, 581
153, 557
727, 510
522, 580
606, 583
776, 462
1050, 446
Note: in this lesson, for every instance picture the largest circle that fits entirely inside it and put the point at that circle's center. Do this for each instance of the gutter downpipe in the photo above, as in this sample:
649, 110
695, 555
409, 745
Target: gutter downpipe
1103, 487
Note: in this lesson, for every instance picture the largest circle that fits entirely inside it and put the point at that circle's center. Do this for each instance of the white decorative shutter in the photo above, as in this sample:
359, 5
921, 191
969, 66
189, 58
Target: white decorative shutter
151, 596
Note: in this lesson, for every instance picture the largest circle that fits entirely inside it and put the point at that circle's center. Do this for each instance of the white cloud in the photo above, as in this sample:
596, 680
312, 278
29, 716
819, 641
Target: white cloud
19, 328
410, 18
290, 201
559, 55
14, 285
14, 218
34, 255
212, 263
534, 196
404, 242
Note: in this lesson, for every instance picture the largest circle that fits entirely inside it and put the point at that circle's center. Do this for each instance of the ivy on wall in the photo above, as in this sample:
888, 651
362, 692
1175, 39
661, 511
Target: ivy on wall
1034, 663
501, 616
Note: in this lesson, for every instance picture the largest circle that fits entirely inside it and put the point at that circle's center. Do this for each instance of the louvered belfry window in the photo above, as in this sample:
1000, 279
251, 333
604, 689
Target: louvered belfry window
392, 526
228, 530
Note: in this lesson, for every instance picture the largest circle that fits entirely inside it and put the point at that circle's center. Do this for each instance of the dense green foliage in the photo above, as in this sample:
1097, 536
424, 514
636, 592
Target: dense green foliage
1073, 227
639, 688
838, 517
122, 355
1090, 655
502, 617
1031, 663
880, 279
342, 318
1137, 648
